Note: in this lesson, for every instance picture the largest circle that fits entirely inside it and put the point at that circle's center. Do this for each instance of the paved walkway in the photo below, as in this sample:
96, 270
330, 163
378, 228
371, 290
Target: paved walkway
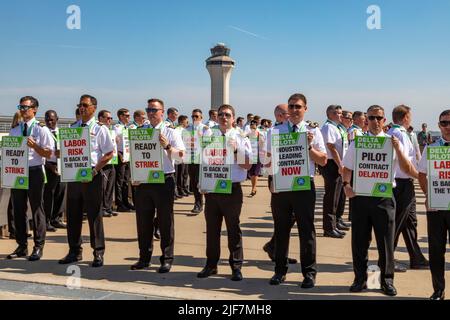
334, 258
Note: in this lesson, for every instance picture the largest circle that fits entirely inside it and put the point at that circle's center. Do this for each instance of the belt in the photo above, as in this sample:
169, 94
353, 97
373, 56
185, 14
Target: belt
35, 168
51, 162
404, 179
169, 174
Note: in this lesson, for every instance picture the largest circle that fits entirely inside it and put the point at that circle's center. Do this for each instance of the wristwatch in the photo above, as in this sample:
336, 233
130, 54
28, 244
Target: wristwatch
168, 147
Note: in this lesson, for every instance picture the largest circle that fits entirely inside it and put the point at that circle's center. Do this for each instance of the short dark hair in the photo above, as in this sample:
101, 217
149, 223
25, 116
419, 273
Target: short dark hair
239, 119
172, 110
101, 114
197, 111
93, 99
256, 118
357, 114
182, 118
250, 115
212, 111
333, 108
153, 100
400, 112
444, 114
122, 111
298, 96
49, 112
34, 101
227, 106
138, 113
346, 113
375, 107
77, 112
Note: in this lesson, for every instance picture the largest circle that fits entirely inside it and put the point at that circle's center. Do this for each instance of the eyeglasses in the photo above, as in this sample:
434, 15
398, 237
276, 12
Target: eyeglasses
378, 118
109, 118
126, 115
84, 105
152, 110
225, 114
347, 118
24, 108
295, 106
444, 123
195, 117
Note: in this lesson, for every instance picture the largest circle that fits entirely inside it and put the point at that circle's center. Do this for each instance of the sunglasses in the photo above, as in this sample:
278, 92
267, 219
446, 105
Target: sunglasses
378, 118
444, 123
195, 117
152, 110
225, 114
84, 105
295, 106
24, 108
109, 118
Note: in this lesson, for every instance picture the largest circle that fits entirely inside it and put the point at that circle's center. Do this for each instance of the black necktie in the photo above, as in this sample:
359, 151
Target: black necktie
294, 128
83, 125
447, 144
25, 130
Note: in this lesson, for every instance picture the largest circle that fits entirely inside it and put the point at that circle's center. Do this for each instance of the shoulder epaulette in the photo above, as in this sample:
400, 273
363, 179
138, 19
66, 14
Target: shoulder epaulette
313, 125
42, 124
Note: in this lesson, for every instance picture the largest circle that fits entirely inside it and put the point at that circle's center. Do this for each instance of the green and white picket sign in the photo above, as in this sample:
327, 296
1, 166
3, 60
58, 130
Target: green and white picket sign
126, 145
438, 159
146, 156
75, 149
215, 172
115, 158
15, 172
290, 158
373, 172
191, 141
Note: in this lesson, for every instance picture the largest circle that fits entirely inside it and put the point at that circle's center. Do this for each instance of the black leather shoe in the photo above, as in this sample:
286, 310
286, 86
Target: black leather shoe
340, 232
292, 261
196, 209
236, 275
20, 252
345, 224
50, 228
207, 272
185, 194
114, 214
277, 279
59, 224
131, 207
424, 265
36, 255
308, 283
98, 261
342, 227
71, 258
438, 295
333, 234
107, 215
157, 234
398, 267
358, 286
165, 268
123, 209
140, 265
269, 250
389, 290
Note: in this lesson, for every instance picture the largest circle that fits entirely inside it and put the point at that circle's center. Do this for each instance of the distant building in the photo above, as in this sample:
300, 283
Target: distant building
220, 66
5, 123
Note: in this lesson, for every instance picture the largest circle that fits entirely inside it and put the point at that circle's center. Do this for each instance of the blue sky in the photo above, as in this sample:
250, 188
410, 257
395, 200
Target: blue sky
129, 51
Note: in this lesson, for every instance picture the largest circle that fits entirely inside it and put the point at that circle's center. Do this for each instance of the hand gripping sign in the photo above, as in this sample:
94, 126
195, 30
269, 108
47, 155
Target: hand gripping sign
146, 156
290, 157
15, 163
75, 154
438, 159
373, 173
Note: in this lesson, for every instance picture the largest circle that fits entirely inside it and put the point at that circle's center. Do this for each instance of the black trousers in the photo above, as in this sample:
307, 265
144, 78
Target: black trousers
406, 219
54, 197
123, 176
109, 177
379, 214
217, 208
182, 178
35, 194
194, 178
332, 196
11, 224
302, 203
90, 197
438, 231
151, 200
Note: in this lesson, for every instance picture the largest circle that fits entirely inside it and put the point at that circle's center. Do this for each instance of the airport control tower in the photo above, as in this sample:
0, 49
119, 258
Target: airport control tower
220, 66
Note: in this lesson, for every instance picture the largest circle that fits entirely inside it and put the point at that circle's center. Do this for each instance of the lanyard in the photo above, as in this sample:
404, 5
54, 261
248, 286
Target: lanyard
22, 125
301, 129
343, 133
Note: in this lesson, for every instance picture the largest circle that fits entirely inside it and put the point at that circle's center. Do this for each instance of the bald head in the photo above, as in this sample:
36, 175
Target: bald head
281, 113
